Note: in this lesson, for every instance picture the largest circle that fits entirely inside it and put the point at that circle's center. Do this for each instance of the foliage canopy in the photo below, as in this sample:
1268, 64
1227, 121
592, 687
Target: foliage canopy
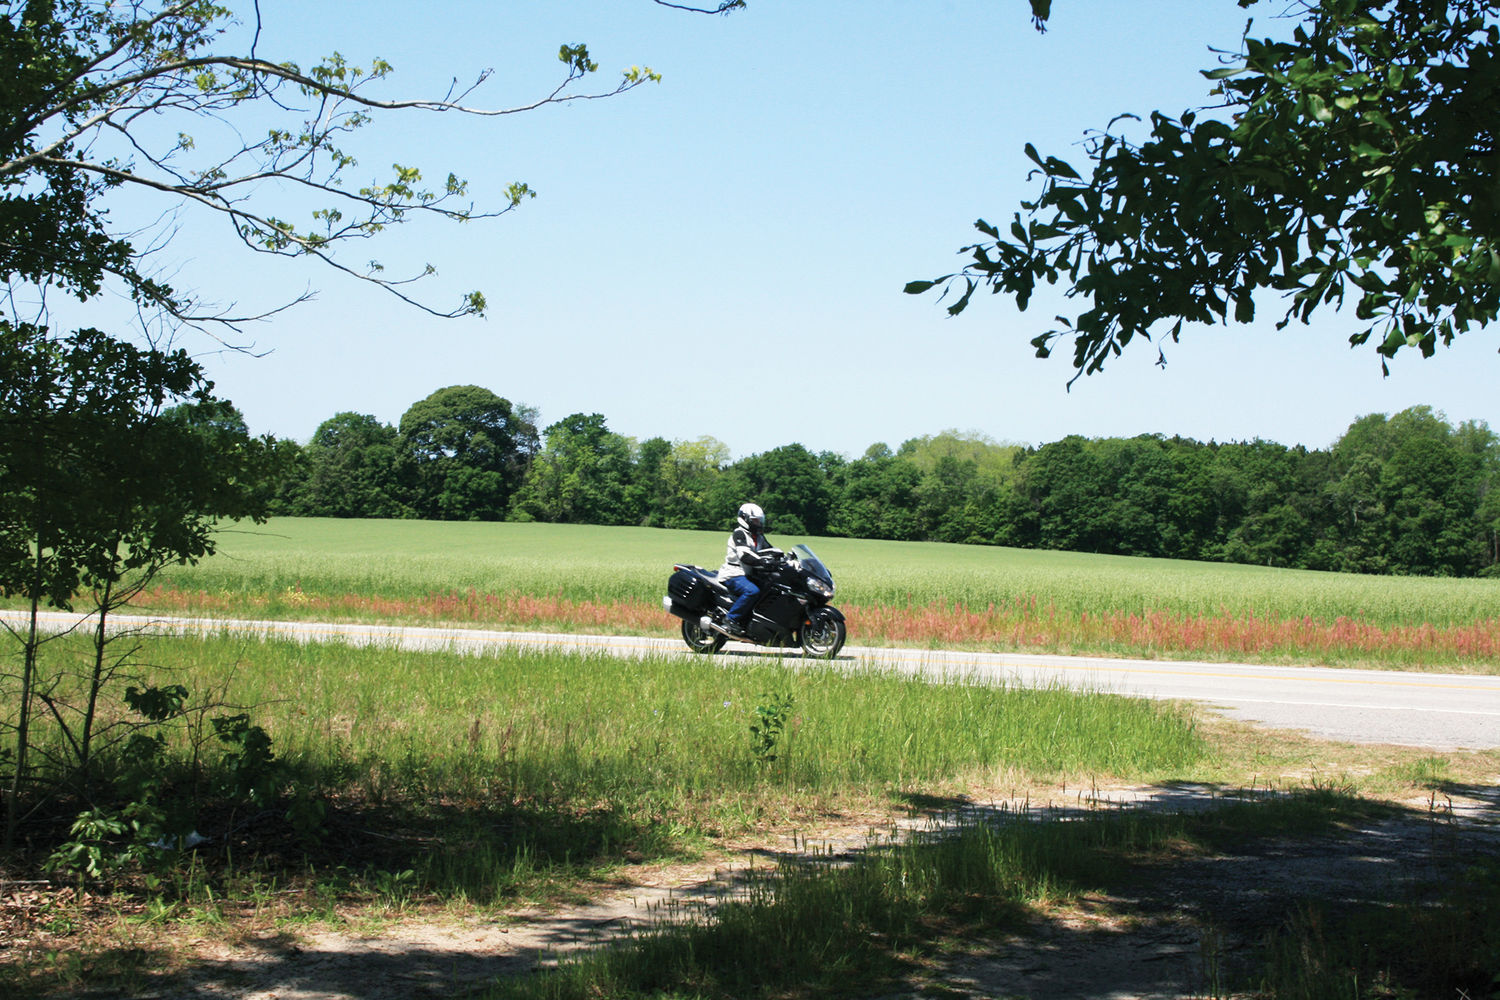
1352, 163
115, 462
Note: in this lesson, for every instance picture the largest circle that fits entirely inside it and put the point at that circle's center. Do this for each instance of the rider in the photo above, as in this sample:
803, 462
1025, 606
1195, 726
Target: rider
746, 551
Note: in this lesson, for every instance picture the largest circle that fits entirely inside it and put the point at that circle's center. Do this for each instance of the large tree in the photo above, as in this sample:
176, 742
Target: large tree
791, 485
1408, 496
581, 476
686, 491
351, 466
878, 499
469, 450
1353, 162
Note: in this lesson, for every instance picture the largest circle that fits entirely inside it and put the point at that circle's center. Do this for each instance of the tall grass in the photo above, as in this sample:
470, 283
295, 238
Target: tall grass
491, 772
665, 727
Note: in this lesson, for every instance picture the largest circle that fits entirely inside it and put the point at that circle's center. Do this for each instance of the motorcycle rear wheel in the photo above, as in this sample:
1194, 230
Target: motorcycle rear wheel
701, 640
823, 635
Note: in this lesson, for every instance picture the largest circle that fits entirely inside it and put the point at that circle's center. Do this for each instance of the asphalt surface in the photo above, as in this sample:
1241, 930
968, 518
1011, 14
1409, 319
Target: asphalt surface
1440, 711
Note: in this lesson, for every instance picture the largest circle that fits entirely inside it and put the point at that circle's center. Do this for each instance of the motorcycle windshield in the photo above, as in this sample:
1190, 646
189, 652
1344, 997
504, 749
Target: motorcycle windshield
812, 563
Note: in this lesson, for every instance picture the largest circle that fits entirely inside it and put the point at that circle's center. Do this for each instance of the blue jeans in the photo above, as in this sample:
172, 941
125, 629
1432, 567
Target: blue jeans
745, 594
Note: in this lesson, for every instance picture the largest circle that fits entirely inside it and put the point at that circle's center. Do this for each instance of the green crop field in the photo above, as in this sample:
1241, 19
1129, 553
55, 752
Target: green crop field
413, 559
552, 577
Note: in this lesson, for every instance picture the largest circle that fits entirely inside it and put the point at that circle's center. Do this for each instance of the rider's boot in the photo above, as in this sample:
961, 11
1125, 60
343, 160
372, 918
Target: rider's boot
732, 629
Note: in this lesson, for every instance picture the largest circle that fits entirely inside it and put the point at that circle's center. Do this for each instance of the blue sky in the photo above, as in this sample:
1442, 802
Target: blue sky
723, 253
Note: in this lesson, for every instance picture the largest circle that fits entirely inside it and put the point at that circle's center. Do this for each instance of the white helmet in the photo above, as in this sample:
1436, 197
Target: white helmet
752, 518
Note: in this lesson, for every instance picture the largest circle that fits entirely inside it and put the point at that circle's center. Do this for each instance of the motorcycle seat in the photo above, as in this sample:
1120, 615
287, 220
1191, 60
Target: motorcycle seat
711, 577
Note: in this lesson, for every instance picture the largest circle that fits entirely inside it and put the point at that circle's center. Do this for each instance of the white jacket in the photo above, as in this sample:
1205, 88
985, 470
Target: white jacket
743, 552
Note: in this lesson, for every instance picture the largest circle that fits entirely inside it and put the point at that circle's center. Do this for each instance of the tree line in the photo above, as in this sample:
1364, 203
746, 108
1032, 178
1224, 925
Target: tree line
1403, 494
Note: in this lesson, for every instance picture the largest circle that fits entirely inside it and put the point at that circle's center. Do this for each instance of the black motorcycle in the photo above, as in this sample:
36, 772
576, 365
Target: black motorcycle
792, 608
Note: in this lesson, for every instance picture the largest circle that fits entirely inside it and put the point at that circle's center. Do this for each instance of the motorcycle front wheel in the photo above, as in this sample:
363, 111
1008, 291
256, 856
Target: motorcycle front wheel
699, 639
823, 635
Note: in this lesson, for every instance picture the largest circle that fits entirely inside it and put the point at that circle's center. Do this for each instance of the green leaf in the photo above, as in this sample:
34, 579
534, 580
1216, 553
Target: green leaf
1060, 168
963, 300
1244, 309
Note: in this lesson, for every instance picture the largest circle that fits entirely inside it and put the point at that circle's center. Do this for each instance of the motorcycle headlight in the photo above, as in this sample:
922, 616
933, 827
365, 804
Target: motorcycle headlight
819, 587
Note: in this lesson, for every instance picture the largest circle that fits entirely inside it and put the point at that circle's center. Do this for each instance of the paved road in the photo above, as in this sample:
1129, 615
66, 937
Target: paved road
1442, 711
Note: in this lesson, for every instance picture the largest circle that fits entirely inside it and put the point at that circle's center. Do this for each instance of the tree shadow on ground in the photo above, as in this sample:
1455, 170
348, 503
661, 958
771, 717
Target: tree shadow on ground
1194, 921
1183, 920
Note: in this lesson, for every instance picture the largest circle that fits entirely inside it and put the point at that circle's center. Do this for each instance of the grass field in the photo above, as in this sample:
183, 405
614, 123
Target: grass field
574, 736
445, 780
464, 782
587, 577
492, 777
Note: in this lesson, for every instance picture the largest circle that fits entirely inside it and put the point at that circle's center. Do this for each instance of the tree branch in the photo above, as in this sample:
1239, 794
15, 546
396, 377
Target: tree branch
116, 67
724, 8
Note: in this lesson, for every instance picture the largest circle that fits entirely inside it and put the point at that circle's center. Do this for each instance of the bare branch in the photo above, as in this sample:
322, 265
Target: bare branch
724, 8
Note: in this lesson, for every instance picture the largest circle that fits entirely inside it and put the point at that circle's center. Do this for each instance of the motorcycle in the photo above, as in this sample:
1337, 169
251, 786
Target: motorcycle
792, 608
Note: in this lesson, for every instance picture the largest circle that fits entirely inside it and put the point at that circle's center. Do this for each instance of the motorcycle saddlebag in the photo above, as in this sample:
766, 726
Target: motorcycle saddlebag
689, 590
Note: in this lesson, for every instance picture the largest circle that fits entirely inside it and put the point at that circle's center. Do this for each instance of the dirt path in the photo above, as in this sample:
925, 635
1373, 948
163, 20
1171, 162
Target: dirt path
1169, 933
426, 956
1178, 930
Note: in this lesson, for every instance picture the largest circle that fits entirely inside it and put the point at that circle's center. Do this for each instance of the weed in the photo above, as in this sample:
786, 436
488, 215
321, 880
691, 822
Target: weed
766, 732
150, 811
395, 888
